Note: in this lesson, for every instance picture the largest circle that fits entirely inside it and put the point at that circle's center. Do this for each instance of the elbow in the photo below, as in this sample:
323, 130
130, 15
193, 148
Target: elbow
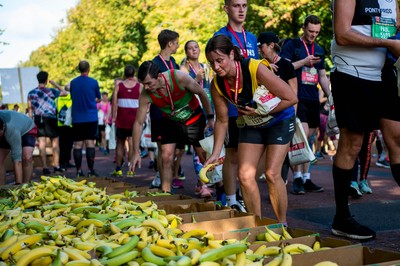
341, 39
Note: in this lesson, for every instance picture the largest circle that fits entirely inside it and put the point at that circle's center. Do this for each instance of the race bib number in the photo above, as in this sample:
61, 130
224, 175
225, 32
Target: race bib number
257, 120
309, 75
182, 114
383, 28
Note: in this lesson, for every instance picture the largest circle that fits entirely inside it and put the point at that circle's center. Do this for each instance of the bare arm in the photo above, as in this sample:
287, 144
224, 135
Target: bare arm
324, 82
115, 103
60, 88
221, 123
293, 84
342, 17
277, 87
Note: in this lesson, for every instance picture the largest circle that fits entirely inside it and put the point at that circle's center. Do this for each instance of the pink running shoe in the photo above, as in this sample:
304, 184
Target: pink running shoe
177, 183
206, 192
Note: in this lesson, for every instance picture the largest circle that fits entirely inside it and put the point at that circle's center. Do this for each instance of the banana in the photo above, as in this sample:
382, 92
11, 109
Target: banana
286, 260
87, 209
135, 230
316, 245
156, 225
102, 216
17, 256
161, 251
128, 223
88, 222
78, 263
85, 246
240, 259
38, 227
203, 172
66, 230
166, 243
75, 254
95, 262
194, 255
326, 263
210, 263
275, 261
131, 244
194, 233
6, 235
274, 235
90, 231
121, 259
267, 251
9, 241
21, 243
104, 250
33, 255
222, 252
42, 261
285, 233
149, 256
298, 247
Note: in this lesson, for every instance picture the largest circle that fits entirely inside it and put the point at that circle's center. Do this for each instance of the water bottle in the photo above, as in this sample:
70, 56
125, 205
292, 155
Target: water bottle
208, 132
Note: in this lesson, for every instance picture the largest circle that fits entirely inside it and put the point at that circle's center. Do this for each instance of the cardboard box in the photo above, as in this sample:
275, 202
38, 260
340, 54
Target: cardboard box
277, 228
349, 256
229, 224
161, 199
211, 215
187, 206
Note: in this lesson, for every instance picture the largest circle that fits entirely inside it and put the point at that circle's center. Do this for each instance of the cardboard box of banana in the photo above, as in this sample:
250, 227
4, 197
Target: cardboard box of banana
59, 221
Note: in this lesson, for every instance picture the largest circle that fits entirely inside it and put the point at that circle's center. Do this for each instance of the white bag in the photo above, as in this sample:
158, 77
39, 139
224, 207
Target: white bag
331, 125
112, 142
299, 150
207, 144
107, 131
68, 117
145, 140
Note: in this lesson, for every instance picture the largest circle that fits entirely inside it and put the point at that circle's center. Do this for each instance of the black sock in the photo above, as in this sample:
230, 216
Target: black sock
396, 172
78, 158
90, 154
341, 183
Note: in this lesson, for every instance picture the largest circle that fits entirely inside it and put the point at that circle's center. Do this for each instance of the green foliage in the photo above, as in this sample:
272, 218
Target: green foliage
113, 33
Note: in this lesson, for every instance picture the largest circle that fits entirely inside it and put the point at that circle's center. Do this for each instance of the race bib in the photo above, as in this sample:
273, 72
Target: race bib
383, 28
309, 75
257, 120
182, 114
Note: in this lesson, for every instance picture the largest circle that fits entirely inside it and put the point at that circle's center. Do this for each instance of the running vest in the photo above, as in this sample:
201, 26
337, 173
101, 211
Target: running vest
185, 103
245, 95
128, 104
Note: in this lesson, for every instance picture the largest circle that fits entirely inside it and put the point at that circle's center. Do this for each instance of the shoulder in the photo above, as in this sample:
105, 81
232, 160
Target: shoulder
223, 31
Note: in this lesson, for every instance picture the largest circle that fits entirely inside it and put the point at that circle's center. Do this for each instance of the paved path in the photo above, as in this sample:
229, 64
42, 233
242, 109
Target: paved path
313, 211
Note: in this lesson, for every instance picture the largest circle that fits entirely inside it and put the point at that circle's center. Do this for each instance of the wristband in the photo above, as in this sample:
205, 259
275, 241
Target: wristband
210, 116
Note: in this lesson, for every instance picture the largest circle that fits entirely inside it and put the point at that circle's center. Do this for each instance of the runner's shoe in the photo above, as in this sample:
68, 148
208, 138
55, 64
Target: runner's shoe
350, 228
156, 183
298, 188
364, 187
177, 183
117, 173
309, 186
383, 163
354, 190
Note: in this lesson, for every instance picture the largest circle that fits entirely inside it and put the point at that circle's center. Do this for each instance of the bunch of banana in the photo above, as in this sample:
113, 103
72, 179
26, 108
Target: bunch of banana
271, 236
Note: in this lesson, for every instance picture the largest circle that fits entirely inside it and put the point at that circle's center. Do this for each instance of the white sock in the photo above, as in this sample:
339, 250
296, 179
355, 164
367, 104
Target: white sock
231, 199
306, 176
297, 175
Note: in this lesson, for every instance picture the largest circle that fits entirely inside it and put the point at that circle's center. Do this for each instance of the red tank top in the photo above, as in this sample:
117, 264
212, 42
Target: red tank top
128, 104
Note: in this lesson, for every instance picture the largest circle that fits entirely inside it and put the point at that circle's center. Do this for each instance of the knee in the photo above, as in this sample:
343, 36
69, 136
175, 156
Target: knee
27, 159
272, 176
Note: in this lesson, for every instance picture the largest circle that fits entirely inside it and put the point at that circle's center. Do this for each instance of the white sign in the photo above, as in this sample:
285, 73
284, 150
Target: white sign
11, 86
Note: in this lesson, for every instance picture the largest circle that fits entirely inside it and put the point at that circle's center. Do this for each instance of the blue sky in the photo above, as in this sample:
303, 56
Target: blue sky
28, 25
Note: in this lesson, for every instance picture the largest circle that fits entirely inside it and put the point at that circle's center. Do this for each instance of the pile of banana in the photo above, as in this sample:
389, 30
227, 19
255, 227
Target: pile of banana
59, 221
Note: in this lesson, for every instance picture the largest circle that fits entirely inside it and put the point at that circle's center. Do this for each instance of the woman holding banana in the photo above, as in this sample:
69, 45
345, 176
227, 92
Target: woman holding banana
266, 120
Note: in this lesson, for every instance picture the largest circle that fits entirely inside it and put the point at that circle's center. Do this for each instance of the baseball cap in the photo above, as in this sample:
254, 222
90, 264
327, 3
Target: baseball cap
267, 37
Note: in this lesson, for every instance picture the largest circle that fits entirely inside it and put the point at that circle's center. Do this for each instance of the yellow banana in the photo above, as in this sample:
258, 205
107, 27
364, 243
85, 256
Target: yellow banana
209, 263
275, 261
89, 232
85, 246
194, 255
9, 241
286, 260
78, 263
267, 251
17, 256
66, 230
222, 252
33, 255
316, 245
298, 247
194, 233
240, 259
161, 251
285, 233
88, 222
75, 254
21, 243
326, 263
156, 225
42, 261
134, 230
274, 235
203, 172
